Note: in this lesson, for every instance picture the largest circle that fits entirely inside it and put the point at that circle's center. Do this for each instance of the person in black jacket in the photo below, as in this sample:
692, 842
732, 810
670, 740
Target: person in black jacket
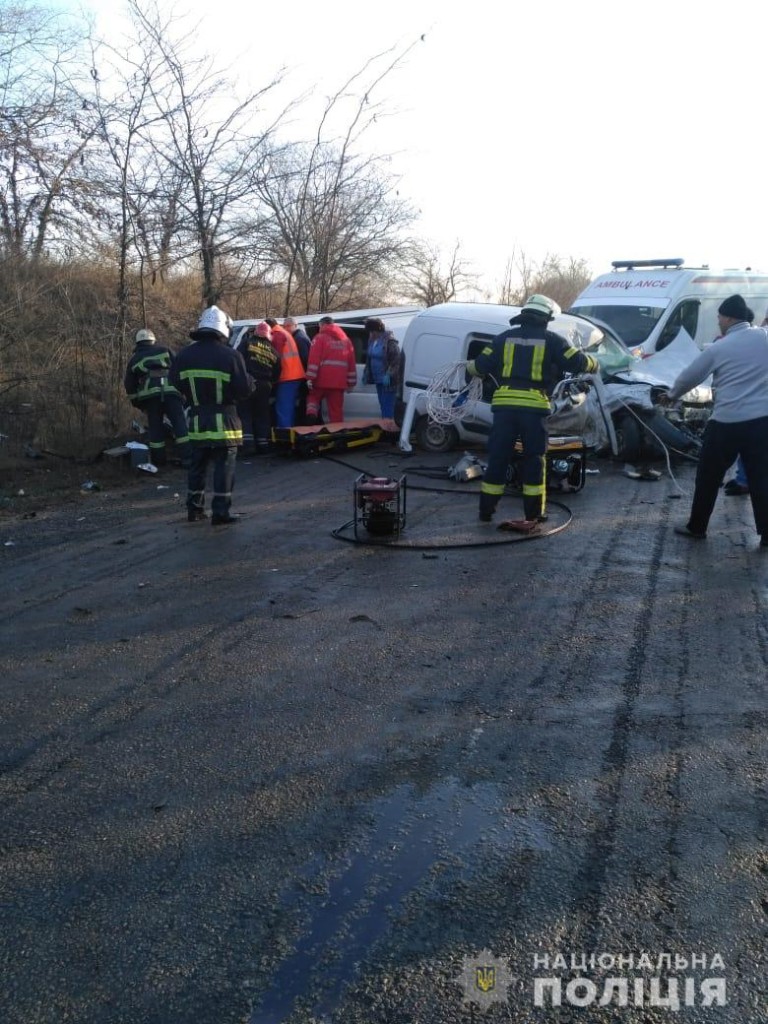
263, 364
149, 389
524, 363
213, 378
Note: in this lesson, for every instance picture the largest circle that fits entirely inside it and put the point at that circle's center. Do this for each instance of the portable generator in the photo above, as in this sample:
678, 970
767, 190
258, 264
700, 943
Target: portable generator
566, 465
379, 505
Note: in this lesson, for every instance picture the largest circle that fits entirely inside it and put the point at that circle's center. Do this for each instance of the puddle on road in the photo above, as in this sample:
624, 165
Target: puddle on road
410, 832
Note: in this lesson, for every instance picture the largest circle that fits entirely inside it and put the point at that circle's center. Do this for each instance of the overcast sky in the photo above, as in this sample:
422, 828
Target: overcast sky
598, 129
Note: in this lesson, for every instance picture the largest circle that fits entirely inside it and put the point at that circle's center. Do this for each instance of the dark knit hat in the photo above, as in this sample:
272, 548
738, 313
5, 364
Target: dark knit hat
736, 308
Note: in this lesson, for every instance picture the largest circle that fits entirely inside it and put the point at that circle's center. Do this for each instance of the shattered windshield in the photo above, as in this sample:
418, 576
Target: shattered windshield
610, 352
633, 324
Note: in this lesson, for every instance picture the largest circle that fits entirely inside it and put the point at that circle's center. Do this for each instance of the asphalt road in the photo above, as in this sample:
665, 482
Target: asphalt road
257, 774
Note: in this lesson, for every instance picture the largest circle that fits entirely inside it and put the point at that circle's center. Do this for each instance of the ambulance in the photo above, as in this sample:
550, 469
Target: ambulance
647, 302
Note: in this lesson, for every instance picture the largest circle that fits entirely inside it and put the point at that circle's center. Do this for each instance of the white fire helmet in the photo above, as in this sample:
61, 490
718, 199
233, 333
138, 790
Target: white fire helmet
215, 319
541, 304
145, 335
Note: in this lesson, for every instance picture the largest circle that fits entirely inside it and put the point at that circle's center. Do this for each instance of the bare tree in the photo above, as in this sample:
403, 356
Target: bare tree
122, 121
430, 282
508, 290
315, 209
334, 229
560, 278
207, 145
45, 134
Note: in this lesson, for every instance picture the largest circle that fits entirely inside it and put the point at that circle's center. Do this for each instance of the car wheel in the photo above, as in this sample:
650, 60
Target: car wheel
435, 437
629, 438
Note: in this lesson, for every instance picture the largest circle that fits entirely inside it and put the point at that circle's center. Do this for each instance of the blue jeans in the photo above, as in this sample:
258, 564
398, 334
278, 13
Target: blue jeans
286, 393
386, 401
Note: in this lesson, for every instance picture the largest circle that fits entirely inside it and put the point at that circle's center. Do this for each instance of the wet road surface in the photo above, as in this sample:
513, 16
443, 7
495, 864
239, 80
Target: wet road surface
254, 774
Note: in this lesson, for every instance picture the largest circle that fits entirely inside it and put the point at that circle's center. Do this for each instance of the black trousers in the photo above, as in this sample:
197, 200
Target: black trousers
722, 443
224, 459
301, 405
511, 424
156, 408
256, 417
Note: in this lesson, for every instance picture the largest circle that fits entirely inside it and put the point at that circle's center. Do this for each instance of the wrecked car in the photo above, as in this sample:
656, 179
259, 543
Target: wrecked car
622, 415
616, 413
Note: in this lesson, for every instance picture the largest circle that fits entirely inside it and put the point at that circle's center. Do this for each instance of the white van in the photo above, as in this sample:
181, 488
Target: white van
457, 331
646, 302
362, 402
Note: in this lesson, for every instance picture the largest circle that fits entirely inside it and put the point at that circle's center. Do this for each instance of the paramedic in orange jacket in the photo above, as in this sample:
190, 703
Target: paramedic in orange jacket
291, 374
331, 371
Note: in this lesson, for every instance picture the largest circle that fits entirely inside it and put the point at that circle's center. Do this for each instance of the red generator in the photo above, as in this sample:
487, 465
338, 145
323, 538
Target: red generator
379, 505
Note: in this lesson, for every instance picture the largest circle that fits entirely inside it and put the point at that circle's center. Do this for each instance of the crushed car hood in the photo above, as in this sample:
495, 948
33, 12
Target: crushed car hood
662, 368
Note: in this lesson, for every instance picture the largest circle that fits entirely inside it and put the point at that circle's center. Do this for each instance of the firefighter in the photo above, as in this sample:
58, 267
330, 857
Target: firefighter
263, 364
213, 378
331, 371
149, 389
524, 363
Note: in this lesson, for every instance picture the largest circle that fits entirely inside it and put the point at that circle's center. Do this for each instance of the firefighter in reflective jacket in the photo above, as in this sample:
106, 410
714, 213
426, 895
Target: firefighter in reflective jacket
213, 378
331, 371
148, 387
524, 363
263, 364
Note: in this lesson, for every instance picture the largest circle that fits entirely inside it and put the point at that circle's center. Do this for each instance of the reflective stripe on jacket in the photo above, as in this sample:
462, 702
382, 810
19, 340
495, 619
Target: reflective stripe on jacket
526, 362
290, 361
261, 359
213, 378
148, 372
332, 359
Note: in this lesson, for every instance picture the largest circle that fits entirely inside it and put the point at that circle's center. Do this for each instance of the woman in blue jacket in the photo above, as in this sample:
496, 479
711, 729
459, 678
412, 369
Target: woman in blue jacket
382, 365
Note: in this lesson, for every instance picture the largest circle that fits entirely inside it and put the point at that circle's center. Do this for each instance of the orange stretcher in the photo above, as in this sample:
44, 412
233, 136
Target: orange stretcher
332, 437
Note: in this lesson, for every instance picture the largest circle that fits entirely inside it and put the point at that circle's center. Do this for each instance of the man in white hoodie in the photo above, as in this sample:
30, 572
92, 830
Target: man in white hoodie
739, 421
